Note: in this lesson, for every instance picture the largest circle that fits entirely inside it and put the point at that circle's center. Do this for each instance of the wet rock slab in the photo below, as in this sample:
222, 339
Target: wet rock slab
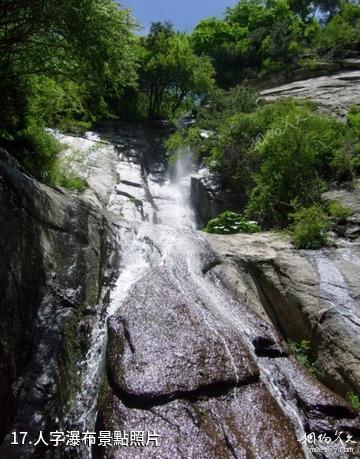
161, 344
212, 378
234, 424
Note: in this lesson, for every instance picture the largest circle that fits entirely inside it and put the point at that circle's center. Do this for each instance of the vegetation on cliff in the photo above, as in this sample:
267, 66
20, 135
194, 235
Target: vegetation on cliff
69, 64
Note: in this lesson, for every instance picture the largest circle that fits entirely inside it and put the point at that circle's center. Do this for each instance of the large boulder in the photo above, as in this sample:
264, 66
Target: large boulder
307, 295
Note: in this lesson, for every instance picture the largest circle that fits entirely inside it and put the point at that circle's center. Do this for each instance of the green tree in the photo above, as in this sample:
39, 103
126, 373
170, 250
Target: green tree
255, 38
227, 45
59, 60
341, 36
170, 72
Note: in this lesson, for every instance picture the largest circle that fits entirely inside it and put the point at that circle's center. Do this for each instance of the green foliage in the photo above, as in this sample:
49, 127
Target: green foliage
60, 63
354, 400
40, 156
181, 140
276, 156
38, 151
71, 126
215, 110
220, 105
170, 72
279, 153
254, 39
298, 150
231, 223
338, 212
71, 181
258, 38
353, 118
86, 40
301, 351
310, 228
341, 36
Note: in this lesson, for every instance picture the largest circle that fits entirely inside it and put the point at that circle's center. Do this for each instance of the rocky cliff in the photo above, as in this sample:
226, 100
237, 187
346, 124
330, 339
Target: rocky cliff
54, 250
184, 335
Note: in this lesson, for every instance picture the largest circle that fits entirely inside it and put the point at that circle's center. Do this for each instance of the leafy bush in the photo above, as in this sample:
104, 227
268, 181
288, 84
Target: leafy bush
76, 127
341, 35
38, 151
298, 149
64, 174
354, 400
231, 223
310, 228
221, 104
353, 117
301, 351
73, 182
338, 212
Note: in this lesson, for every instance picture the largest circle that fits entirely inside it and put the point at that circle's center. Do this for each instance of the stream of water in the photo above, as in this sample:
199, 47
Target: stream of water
173, 243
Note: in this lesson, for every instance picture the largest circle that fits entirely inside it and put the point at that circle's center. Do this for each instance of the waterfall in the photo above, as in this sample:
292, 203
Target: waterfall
168, 204
165, 270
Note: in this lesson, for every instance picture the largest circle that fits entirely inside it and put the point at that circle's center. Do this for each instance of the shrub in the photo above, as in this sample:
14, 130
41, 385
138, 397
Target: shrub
341, 35
231, 223
64, 175
354, 400
72, 182
221, 104
353, 118
273, 154
301, 351
338, 212
38, 151
296, 150
310, 228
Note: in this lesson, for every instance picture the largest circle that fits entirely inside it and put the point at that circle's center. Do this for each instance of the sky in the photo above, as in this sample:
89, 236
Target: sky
184, 14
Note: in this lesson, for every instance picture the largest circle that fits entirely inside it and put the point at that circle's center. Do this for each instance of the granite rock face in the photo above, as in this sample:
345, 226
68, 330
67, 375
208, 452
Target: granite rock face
53, 247
312, 295
333, 93
209, 198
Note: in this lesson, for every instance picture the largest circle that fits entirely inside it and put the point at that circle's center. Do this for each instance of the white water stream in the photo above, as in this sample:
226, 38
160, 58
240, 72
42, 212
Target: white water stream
173, 242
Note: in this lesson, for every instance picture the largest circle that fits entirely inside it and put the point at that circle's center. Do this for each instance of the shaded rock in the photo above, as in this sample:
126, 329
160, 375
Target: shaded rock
209, 199
349, 227
53, 248
222, 426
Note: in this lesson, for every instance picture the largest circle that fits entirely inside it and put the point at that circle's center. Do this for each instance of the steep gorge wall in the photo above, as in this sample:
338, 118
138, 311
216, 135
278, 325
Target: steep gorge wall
54, 253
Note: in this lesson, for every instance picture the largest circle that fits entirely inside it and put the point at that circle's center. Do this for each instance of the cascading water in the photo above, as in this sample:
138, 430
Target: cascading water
139, 254
159, 238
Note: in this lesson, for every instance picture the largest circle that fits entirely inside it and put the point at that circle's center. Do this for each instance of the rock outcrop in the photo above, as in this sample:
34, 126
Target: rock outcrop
209, 198
54, 249
307, 295
334, 94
